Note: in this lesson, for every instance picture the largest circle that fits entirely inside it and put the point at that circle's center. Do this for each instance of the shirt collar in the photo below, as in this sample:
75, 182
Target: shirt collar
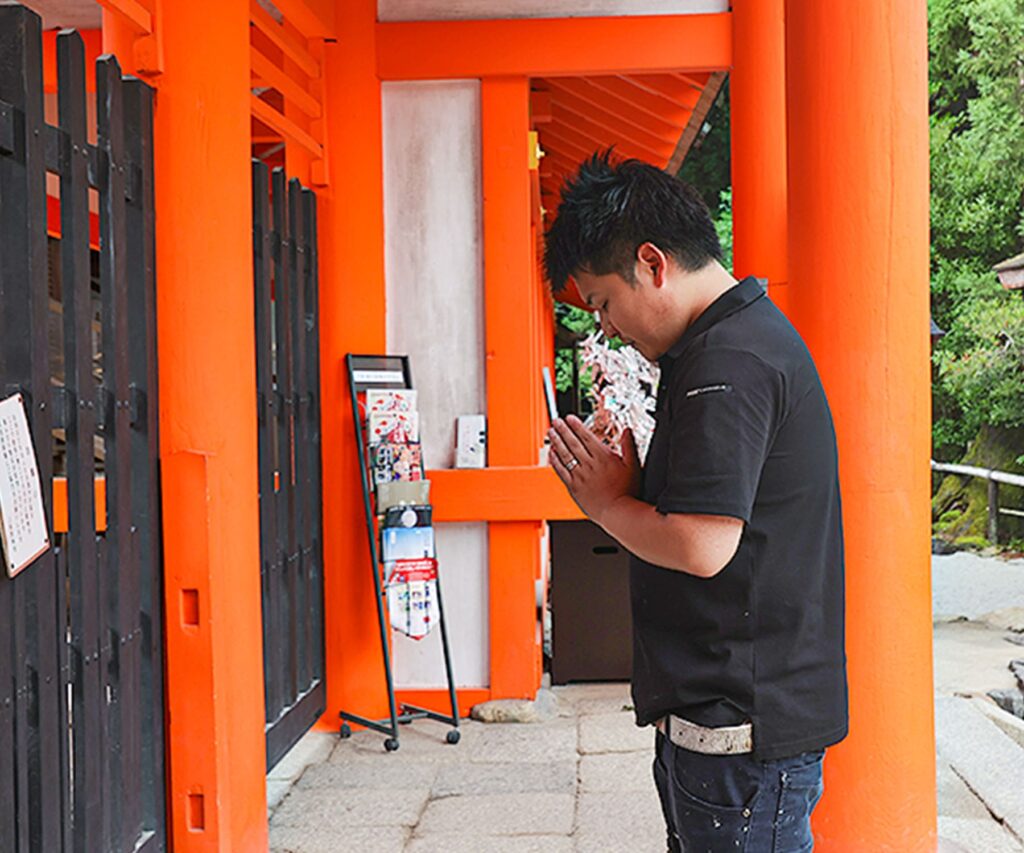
738, 296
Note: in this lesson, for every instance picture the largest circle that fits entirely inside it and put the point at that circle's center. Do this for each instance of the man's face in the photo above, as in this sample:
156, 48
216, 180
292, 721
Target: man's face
627, 311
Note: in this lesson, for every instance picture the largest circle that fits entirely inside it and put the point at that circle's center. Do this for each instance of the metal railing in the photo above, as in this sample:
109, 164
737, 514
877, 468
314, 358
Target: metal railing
994, 478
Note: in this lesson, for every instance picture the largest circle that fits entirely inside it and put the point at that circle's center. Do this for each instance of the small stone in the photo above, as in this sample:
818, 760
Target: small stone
1010, 700
539, 710
942, 547
1017, 668
1006, 619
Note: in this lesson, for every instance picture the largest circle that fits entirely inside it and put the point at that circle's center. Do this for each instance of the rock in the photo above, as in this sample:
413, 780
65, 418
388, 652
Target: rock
1010, 700
1017, 668
541, 709
1006, 619
1016, 639
942, 547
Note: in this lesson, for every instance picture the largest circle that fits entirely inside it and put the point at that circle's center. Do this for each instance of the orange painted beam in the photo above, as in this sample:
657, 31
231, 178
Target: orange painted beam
597, 123
285, 126
351, 233
586, 92
313, 18
53, 222
267, 73
549, 47
652, 103
213, 628
133, 12
757, 97
500, 494
60, 504
290, 45
514, 412
859, 272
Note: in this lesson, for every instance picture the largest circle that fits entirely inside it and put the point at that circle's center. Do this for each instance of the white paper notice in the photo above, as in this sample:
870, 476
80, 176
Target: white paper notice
22, 516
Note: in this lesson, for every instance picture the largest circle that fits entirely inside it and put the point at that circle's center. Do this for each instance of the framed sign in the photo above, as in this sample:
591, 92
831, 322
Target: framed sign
23, 530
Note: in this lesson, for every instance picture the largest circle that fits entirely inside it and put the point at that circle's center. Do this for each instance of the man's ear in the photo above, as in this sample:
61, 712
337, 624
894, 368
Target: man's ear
651, 263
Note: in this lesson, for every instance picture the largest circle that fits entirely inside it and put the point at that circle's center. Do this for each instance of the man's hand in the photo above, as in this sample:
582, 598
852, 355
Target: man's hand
595, 475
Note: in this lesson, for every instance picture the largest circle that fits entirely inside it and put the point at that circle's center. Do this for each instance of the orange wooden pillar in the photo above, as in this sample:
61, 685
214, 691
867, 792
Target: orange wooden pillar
858, 258
757, 98
352, 319
214, 643
513, 377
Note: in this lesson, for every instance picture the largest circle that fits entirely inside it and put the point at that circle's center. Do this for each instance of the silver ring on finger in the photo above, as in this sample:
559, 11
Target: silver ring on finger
572, 463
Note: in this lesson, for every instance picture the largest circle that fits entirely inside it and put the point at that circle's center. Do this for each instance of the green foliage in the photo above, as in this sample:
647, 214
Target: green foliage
723, 225
579, 322
976, 68
707, 165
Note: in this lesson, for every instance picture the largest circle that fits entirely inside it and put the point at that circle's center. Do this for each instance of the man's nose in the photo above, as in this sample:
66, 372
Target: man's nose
609, 330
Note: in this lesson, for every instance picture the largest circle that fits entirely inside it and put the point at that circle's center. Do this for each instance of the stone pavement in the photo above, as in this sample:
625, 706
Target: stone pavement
579, 782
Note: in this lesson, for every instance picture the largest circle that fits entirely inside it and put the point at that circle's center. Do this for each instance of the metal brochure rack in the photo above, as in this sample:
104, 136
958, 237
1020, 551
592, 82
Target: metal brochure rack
389, 372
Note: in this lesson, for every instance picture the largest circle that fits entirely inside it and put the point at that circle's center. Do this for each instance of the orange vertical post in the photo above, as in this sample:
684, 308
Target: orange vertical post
757, 100
206, 347
352, 319
513, 377
858, 258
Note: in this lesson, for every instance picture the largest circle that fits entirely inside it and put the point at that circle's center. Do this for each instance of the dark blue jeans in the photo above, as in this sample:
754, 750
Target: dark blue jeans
736, 803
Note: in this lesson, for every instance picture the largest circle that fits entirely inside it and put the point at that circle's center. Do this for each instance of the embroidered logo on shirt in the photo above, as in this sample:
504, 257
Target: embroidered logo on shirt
708, 389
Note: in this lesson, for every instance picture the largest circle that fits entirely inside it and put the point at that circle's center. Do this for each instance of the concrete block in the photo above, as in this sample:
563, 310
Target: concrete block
600, 733
977, 836
989, 762
376, 839
558, 777
611, 822
515, 744
332, 810
499, 814
486, 843
312, 748
277, 790
617, 771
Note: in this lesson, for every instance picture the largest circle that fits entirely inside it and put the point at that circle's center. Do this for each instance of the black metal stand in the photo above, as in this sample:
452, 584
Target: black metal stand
389, 372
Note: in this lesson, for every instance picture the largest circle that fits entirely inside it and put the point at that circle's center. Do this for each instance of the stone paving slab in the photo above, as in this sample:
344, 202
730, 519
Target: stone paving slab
955, 798
978, 835
613, 822
392, 773
313, 748
557, 777
499, 814
587, 699
340, 810
601, 733
617, 771
422, 741
489, 843
314, 839
522, 743
989, 762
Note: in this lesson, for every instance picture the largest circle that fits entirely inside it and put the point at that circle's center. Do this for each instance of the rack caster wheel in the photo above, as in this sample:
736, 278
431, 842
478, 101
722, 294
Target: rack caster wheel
345, 731
391, 744
453, 736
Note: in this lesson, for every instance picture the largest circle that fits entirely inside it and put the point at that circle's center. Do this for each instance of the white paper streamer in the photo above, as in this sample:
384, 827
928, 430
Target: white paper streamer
623, 392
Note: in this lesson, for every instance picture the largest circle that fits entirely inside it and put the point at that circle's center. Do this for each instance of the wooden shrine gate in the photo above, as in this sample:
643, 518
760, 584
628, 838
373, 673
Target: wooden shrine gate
81, 672
288, 411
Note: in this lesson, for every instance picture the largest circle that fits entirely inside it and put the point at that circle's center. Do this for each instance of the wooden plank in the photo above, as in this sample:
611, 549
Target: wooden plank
276, 120
300, 506
145, 456
120, 570
263, 298
23, 294
291, 46
283, 592
424, 50
267, 72
314, 447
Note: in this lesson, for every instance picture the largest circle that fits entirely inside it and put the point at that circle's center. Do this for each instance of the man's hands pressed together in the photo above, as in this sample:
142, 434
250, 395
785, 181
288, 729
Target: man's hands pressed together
595, 475
605, 486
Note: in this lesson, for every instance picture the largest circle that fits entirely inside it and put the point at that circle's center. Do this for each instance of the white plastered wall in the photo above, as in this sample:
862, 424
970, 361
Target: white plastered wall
434, 271
453, 10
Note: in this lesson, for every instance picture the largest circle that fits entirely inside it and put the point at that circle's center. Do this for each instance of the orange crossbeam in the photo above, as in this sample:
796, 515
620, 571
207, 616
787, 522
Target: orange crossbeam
291, 46
285, 126
500, 494
136, 13
540, 47
271, 75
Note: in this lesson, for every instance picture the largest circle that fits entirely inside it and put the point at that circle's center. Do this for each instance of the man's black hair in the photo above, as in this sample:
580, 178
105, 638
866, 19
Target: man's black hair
610, 208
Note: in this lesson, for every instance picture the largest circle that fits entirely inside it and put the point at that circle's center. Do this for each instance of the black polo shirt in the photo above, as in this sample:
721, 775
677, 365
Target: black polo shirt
744, 430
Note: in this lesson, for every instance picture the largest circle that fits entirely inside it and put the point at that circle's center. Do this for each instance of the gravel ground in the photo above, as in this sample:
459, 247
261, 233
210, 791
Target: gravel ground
968, 585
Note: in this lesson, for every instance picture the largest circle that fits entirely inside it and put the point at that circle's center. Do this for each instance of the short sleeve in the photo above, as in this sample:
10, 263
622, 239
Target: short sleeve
723, 411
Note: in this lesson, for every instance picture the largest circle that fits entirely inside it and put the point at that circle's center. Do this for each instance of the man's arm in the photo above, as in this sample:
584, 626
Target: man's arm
700, 545
604, 485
